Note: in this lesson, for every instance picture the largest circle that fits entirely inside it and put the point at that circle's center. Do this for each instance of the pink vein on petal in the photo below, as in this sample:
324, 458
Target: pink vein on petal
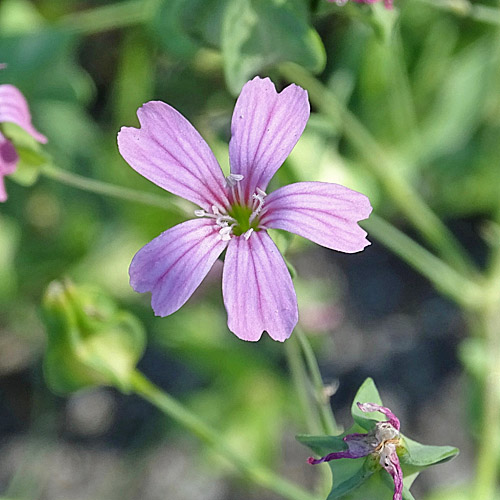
325, 213
170, 152
14, 109
174, 264
258, 290
264, 129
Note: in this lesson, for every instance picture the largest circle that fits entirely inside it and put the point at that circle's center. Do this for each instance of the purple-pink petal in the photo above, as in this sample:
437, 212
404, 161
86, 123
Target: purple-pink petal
394, 469
321, 212
258, 290
358, 446
14, 109
173, 265
369, 407
265, 128
8, 163
170, 152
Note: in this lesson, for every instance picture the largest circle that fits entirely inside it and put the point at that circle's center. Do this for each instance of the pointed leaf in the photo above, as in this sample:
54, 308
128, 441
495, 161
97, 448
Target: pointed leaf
367, 393
421, 455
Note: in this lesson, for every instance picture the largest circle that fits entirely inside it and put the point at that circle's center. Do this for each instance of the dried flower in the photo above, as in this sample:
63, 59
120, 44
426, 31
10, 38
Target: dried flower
236, 211
381, 442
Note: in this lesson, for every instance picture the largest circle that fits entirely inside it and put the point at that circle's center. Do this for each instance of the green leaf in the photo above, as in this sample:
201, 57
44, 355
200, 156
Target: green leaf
204, 18
357, 474
168, 27
322, 445
421, 455
90, 341
347, 473
30, 152
364, 478
367, 393
259, 34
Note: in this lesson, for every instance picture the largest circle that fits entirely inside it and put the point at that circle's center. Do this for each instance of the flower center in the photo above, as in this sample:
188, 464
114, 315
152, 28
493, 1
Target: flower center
239, 219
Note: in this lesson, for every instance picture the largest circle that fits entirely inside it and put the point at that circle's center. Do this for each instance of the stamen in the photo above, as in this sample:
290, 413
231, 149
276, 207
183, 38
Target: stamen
223, 222
225, 233
248, 234
258, 203
233, 179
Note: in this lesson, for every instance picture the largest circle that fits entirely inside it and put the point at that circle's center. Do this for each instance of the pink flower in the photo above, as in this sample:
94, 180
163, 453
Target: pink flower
381, 443
387, 3
14, 109
235, 212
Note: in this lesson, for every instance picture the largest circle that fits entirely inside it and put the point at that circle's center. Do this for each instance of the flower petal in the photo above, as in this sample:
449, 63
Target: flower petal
8, 163
393, 467
168, 151
322, 212
258, 290
358, 446
369, 407
14, 109
265, 128
173, 265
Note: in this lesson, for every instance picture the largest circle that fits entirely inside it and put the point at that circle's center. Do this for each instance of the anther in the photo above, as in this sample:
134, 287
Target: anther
233, 179
225, 233
200, 213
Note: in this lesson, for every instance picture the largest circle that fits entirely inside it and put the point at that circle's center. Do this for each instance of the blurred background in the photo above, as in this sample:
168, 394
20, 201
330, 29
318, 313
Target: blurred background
425, 82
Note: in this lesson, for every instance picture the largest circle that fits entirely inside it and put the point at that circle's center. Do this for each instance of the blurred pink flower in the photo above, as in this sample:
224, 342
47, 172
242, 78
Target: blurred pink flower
235, 212
387, 3
381, 442
13, 109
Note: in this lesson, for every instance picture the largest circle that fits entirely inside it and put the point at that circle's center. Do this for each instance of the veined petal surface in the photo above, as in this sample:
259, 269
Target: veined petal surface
257, 289
394, 469
358, 446
265, 128
321, 212
8, 163
14, 109
170, 152
173, 265
370, 407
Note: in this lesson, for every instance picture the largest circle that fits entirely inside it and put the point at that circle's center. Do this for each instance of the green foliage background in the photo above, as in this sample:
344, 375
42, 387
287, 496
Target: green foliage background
423, 80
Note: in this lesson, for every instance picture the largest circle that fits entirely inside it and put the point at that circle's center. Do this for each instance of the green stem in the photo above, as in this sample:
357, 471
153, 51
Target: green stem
488, 458
300, 382
488, 454
250, 470
384, 168
462, 290
321, 397
122, 193
108, 17
464, 8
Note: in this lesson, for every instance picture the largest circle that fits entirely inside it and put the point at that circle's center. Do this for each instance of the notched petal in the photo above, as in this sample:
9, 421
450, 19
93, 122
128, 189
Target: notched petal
322, 212
257, 289
265, 127
170, 152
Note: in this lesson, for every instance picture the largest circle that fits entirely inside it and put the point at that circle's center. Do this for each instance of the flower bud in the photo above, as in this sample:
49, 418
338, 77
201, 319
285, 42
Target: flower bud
90, 341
